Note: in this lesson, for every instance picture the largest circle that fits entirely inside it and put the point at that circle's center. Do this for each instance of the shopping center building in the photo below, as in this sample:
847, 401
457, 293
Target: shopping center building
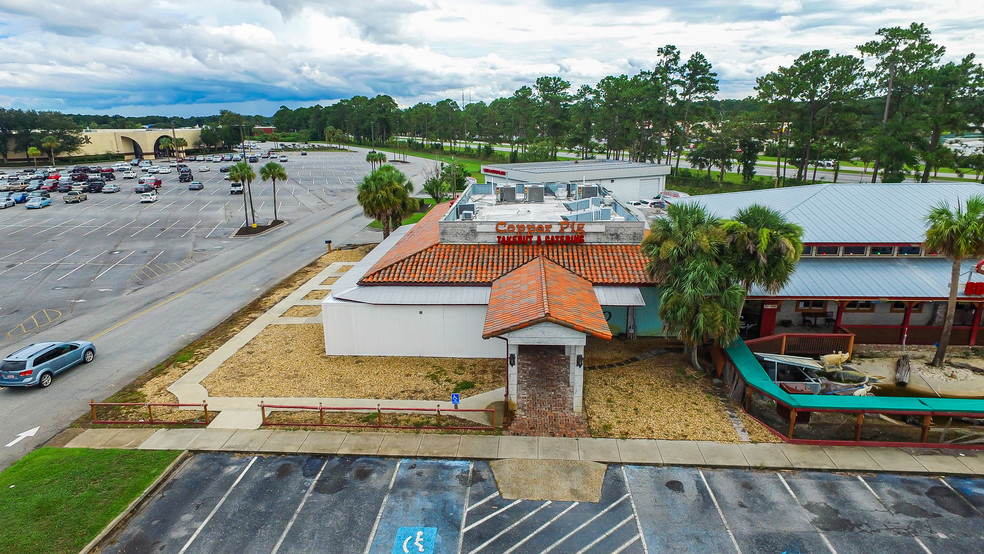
864, 269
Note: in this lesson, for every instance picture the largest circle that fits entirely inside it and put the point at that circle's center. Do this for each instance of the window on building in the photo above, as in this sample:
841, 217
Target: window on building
881, 250
811, 305
910, 250
807, 250
855, 250
899, 307
860, 306
828, 250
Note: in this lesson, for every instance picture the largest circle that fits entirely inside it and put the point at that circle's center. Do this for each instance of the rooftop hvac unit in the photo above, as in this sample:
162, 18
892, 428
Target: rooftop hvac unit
534, 193
588, 191
466, 207
467, 216
608, 200
561, 191
507, 193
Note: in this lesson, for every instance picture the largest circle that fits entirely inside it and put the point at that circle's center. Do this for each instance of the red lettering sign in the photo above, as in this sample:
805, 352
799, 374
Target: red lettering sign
974, 288
493, 171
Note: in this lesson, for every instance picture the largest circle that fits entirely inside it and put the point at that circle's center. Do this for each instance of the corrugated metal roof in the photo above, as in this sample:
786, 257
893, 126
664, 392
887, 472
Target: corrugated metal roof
587, 166
619, 296
866, 278
869, 213
418, 296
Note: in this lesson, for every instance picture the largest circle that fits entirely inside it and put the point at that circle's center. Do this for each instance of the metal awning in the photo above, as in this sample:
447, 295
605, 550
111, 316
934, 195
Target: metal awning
619, 296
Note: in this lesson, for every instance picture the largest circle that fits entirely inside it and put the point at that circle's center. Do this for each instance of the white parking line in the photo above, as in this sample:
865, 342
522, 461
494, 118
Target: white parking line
190, 229
82, 265
213, 229
293, 518
166, 206
49, 229
379, 516
625, 479
166, 228
121, 228
217, 506
482, 546
186, 206
96, 229
607, 534
720, 512
490, 516
145, 228
24, 262
541, 528
205, 206
29, 226
112, 266
796, 498
962, 497
871, 490
585, 524
52, 264
12, 253
464, 508
76, 227
924, 547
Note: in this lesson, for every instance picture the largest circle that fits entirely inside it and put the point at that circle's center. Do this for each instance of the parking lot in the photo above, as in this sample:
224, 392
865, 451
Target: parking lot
66, 258
229, 503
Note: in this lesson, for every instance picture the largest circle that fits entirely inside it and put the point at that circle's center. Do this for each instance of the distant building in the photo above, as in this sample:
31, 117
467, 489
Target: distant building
265, 129
624, 180
130, 143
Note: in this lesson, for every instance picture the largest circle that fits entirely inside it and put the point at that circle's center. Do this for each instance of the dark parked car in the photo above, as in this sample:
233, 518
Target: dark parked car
224, 169
38, 363
186, 178
19, 196
143, 188
95, 186
79, 177
64, 187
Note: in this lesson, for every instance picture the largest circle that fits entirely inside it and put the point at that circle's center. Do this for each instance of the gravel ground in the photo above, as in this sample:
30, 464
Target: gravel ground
290, 360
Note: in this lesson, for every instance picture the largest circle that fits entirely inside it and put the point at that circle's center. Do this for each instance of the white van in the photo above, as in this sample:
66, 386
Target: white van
235, 188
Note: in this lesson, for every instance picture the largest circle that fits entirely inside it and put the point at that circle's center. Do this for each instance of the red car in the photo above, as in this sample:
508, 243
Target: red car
50, 185
152, 181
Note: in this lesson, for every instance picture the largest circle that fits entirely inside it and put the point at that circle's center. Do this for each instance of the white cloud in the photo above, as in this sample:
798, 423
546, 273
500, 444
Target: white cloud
106, 55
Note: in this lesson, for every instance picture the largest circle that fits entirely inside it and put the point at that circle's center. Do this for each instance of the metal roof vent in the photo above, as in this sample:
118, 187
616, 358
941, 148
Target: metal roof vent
467, 216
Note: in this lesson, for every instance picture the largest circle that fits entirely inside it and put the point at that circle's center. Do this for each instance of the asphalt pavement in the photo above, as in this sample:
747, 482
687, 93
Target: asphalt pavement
219, 502
136, 322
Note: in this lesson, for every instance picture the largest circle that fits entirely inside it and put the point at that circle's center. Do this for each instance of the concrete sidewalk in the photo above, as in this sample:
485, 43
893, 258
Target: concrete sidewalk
627, 451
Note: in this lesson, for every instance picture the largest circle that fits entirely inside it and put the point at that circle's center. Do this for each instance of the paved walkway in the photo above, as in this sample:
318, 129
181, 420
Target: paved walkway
627, 451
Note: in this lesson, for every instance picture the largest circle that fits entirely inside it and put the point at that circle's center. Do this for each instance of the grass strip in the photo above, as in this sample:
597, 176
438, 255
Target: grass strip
59, 499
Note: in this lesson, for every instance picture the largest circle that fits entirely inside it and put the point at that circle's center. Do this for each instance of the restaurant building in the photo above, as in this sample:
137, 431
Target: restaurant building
864, 268
519, 271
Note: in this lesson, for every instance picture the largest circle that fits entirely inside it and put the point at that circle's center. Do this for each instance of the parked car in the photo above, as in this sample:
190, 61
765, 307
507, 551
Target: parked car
304, 152
80, 176
38, 363
129, 174
144, 163
50, 185
19, 196
195, 185
76, 197
163, 169
173, 163
225, 168
95, 186
153, 169
152, 181
235, 188
283, 158
142, 188
204, 168
108, 176
64, 187
185, 178
38, 194
111, 188
148, 197
6, 201
37, 202
253, 159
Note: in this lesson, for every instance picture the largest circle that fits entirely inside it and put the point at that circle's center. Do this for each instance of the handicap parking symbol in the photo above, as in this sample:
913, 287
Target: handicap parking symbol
419, 540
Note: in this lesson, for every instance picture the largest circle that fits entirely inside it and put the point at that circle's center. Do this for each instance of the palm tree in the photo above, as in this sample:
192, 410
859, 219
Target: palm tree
374, 158
243, 173
33, 152
272, 171
181, 143
50, 143
166, 145
687, 253
765, 248
384, 194
957, 234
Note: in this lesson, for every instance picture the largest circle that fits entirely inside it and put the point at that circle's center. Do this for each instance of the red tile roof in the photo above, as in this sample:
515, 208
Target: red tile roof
542, 291
419, 258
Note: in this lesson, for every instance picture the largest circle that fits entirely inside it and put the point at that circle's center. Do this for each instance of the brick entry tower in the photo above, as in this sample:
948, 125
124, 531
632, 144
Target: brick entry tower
545, 313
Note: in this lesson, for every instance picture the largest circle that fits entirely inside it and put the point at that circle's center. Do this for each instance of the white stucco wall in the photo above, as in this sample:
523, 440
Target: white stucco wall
356, 329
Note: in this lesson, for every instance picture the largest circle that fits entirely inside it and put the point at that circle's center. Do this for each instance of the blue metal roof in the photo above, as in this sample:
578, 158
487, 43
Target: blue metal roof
874, 278
867, 213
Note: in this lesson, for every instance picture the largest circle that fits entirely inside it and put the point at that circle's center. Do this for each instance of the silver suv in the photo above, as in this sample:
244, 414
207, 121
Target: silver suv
38, 363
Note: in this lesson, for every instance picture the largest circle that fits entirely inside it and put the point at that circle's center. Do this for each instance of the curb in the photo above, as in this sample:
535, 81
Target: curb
165, 475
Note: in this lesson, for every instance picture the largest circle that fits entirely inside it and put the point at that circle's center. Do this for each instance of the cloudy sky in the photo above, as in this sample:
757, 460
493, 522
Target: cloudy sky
180, 57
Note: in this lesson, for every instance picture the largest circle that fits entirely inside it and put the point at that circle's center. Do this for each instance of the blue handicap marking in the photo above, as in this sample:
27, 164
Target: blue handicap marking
419, 540
455, 398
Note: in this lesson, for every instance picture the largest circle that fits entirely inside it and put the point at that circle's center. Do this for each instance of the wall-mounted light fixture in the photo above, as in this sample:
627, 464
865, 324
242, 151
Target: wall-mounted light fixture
512, 360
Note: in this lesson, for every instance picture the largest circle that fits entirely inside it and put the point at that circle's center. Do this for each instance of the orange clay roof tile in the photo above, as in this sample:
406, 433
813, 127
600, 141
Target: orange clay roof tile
542, 291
